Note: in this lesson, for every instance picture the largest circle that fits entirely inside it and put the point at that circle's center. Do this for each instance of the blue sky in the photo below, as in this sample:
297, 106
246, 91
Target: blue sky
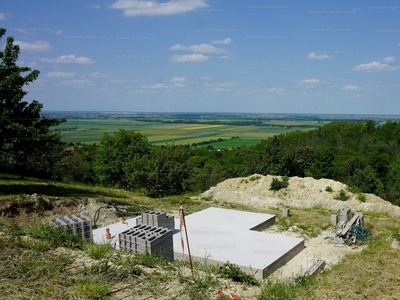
260, 56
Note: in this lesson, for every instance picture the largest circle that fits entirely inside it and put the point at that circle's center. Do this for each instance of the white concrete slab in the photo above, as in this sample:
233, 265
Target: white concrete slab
99, 234
219, 235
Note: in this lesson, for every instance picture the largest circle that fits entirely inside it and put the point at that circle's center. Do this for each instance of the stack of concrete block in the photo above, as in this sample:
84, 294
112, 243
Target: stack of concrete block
345, 214
76, 224
145, 238
156, 219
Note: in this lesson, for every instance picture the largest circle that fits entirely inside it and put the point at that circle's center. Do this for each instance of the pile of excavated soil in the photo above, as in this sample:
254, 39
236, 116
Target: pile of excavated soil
36, 208
254, 191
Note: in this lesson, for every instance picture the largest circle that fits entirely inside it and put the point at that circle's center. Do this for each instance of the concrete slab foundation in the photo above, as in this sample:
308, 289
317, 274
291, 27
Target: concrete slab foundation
219, 235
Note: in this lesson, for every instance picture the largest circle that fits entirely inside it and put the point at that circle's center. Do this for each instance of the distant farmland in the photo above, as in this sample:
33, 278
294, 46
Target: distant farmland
92, 130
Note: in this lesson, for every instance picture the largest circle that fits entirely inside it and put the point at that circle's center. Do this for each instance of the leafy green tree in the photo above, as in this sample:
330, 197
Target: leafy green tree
393, 193
165, 171
115, 155
273, 157
28, 145
77, 164
367, 181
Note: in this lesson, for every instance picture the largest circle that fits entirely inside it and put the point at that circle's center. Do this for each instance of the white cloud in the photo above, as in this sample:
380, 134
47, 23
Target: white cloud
3, 16
274, 90
314, 56
92, 6
202, 48
179, 79
57, 32
220, 90
156, 86
351, 87
389, 59
39, 46
374, 66
192, 58
311, 80
228, 84
134, 8
69, 59
60, 75
77, 83
222, 42
98, 75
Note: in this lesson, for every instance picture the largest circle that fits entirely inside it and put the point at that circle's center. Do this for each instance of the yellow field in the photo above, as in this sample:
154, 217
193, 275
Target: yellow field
196, 127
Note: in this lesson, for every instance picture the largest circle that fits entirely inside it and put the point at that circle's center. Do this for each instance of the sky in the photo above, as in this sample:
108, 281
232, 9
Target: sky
237, 56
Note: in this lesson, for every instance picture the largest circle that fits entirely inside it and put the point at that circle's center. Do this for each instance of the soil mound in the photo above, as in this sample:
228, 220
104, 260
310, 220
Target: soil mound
254, 191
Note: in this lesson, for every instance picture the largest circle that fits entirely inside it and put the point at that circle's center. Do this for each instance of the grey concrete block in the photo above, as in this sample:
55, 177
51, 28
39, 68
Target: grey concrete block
345, 214
338, 240
334, 219
340, 225
286, 212
78, 225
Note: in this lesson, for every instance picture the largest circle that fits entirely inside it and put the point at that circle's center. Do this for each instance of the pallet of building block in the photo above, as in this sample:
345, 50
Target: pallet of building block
81, 226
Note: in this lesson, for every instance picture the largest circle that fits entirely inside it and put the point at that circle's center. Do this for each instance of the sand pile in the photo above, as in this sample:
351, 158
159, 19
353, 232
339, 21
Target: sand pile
254, 191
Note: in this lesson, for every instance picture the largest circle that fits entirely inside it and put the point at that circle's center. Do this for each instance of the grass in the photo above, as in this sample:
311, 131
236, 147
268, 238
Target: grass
233, 272
98, 251
308, 222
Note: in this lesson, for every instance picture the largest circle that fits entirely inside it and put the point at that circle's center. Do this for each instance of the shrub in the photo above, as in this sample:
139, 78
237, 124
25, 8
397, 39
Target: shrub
361, 197
329, 189
255, 177
277, 184
342, 195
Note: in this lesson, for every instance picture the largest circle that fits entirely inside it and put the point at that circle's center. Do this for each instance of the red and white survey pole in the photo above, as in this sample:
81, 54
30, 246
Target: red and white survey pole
181, 226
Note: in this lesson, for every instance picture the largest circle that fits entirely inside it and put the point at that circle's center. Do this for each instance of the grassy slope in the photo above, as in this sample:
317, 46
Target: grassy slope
36, 269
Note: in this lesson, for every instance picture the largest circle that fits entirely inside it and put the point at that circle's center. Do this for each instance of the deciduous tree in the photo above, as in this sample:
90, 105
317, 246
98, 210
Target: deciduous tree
27, 142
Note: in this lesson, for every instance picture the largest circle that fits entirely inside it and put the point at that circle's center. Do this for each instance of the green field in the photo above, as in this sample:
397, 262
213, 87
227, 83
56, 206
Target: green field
92, 130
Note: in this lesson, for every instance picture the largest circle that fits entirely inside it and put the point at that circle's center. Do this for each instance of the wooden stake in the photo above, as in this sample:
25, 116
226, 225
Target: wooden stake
187, 239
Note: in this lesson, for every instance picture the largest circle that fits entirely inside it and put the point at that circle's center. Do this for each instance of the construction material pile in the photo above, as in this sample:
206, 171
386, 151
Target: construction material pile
349, 229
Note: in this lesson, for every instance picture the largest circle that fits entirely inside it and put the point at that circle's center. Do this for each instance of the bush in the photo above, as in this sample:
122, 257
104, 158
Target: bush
329, 189
277, 184
255, 177
342, 195
361, 197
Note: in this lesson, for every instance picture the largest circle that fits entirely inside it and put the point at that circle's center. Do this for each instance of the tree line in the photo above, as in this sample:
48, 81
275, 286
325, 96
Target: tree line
364, 155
